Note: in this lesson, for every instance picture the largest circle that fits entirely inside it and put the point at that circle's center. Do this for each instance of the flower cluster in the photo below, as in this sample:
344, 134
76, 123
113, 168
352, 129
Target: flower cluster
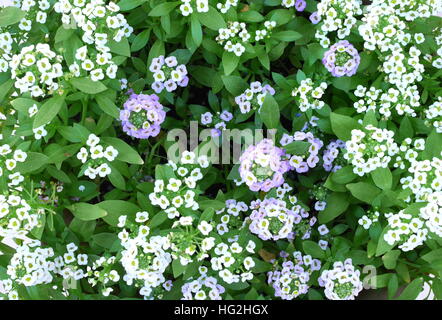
177, 192
234, 37
303, 162
403, 102
188, 6
332, 158
432, 213
272, 220
188, 242
96, 161
309, 94
342, 59
231, 216
262, 166
168, 74
424, 179
370, 149
233, 262
253, 98
342, 282
102, 272
433, 114
336, 15
405, 229
219, 119
5, 50
298, 4
36, 11
8, 163
142, 116
224, 7
291, 278
37, 70
202, 288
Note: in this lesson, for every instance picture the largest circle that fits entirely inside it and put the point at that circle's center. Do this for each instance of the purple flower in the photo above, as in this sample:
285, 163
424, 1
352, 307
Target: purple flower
142, 116
168, 74
300, 5
342, 59
226, 116
315, 17
206, 118
262, 166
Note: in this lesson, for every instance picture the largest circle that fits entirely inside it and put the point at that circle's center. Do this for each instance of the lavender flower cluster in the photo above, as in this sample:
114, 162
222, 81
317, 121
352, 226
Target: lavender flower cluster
253, 98
342, 59
262, 166
142, 116
220, 120
168, 74
271, 219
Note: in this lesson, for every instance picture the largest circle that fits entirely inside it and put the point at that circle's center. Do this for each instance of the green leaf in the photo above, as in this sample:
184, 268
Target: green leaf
269, 112
390, 259
10, 15
234, 84
107, 106
297, 147
87, 212
140, 40
177, 268
383, 246
125, 152
33, 162
287, 35
120, 48
211, 19
163, 9
197, 32
117, 208
313, 249
363, 191
412, 290
382, 178
48, 111
126, 5
230, 62
343, 125
337, 203
88, 86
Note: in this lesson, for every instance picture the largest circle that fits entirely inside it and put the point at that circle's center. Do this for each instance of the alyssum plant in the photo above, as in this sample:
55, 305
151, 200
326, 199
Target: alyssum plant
344, 197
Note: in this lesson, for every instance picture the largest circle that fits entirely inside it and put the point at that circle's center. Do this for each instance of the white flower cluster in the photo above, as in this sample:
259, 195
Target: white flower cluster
144, 260
5, 50
203, 288
371, 149
404, 102
253, 97
437, 63
425, 179
405, 229
30, 265
432, 213
188, 242
408, 152
336, 15
411, 10
224, 7
36, 11
8, 163
99, 20
98, 164
366, 221
102, 272
381, 28
233, 262
308, 95
188, 6
36, 69
261, 34
177, 192
434, 114
70, 264
94, 62
403, 68
234, 37
230, 216
17, 217
342, 282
